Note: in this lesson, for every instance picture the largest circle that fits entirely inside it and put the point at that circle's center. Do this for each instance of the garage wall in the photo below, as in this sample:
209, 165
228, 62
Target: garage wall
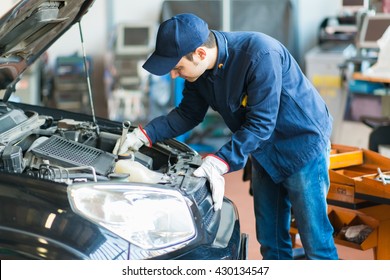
104, 14
309, 17
97, 26
99, 21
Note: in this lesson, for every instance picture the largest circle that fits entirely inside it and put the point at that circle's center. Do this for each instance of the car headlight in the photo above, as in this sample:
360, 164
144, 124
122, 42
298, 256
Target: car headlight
151, 218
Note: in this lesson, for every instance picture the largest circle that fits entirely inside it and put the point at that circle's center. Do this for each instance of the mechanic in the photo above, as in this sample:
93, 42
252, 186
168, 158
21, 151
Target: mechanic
275, 114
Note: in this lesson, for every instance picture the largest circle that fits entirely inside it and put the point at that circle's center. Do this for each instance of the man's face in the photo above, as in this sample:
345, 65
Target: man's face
189, 70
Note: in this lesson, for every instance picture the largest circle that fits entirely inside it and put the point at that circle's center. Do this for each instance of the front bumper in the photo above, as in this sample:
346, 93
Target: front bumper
229, 244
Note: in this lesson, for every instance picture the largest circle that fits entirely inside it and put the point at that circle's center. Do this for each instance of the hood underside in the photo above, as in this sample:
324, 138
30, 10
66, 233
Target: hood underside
29, 29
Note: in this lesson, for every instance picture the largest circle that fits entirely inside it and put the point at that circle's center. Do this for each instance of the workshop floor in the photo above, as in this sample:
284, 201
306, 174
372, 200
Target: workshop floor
238, 191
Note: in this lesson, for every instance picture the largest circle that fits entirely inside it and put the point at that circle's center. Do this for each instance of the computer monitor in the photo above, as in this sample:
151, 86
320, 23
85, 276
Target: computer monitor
354, 5
372, 29
135, 38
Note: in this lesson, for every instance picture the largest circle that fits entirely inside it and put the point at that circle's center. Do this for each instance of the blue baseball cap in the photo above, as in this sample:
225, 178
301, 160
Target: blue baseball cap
176, 37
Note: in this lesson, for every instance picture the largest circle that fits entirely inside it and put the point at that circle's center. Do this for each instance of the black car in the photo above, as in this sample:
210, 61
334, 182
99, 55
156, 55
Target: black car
65, 195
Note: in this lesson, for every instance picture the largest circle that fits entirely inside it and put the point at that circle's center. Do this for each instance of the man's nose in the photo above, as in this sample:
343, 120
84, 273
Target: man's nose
174, 74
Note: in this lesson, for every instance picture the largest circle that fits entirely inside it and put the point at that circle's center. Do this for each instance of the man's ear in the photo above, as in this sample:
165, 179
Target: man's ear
201, 52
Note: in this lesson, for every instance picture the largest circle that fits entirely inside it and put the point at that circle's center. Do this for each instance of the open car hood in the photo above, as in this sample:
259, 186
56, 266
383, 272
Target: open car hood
30, 28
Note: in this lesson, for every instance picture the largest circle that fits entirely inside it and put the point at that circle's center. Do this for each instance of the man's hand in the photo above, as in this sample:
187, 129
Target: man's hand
213, 168
134, 140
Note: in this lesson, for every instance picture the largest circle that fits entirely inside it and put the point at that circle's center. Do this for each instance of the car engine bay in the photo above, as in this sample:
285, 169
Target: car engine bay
65, 147
70, 151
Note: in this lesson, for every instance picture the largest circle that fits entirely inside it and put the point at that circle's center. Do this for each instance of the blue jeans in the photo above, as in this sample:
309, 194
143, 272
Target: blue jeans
303, 194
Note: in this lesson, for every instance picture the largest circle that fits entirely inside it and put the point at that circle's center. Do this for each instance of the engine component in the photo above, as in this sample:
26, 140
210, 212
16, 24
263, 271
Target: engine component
139, 173
12, 159
20, 125
63, 152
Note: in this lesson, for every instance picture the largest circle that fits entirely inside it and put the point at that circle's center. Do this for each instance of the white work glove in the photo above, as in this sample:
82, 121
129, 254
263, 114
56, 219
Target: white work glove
134, 140
213, 168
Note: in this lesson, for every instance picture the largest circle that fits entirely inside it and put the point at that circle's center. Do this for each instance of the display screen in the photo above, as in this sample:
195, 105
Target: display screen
376, 28
354, 3
354, 6
136, 36
372, 30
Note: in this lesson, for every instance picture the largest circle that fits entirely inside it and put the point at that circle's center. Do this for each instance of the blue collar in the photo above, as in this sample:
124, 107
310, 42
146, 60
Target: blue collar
223, 53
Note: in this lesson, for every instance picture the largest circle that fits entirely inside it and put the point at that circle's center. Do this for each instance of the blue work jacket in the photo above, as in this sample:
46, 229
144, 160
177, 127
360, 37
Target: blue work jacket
274, 112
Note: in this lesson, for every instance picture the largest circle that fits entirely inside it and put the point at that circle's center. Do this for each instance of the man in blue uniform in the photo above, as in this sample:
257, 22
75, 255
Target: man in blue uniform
275, 114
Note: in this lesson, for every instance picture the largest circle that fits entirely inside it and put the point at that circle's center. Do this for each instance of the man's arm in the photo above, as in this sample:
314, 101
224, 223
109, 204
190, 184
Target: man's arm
189, 113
